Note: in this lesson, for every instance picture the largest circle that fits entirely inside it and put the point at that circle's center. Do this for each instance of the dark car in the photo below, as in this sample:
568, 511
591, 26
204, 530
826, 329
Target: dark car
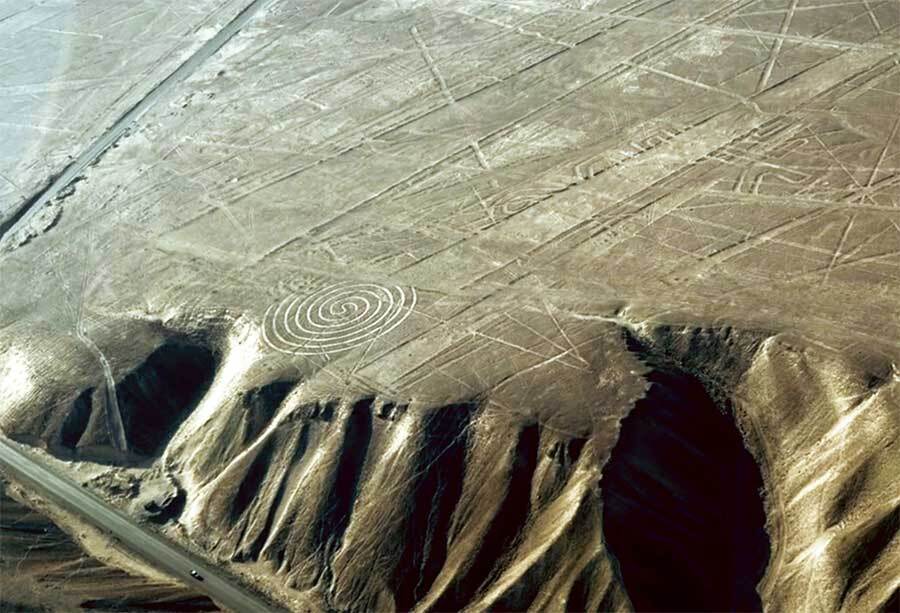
196, 575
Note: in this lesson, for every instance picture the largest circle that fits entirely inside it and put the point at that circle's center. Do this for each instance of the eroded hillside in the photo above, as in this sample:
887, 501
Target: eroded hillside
438, 305
753, 462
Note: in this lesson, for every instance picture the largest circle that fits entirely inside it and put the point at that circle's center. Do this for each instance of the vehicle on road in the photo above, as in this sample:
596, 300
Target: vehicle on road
196, 575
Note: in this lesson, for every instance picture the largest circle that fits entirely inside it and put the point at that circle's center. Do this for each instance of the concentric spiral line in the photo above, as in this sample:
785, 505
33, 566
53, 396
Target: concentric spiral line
336, 318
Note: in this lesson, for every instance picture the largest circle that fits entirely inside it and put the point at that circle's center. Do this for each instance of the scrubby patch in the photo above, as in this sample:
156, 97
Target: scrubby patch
126, 604
116, 484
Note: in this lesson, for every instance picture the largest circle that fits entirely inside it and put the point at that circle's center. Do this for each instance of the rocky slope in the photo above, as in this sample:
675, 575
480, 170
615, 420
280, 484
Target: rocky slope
414, 304
755, 463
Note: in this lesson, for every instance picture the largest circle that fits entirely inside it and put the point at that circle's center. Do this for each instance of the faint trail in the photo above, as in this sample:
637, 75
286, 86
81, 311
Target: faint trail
114, 423
875, 23
448, 95
839, 249
30, 207
113, 414
825, 43
710, 88
881, 156
776, 47
722, 255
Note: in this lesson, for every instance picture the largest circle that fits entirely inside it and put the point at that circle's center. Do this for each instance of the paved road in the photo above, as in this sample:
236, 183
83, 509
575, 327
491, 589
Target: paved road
32, 207
162, 554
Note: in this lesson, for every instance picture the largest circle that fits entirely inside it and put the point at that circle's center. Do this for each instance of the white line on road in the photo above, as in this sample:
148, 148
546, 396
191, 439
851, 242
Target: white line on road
164, 555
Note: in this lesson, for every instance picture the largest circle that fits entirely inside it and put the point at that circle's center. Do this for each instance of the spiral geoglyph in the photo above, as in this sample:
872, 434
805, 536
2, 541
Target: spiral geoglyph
336, 318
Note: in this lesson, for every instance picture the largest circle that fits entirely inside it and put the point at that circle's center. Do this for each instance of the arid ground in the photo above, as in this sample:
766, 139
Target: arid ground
443, 305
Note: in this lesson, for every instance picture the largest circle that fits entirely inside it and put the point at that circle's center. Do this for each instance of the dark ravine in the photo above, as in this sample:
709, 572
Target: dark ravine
154, 397
682, 510
421, 475
382, 305
158, 395
479, 508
